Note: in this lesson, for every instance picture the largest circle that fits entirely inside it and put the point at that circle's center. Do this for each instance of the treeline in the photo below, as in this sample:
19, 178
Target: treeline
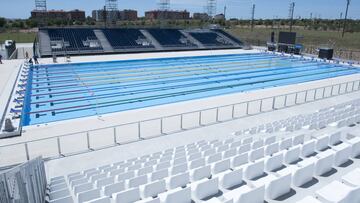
308, 24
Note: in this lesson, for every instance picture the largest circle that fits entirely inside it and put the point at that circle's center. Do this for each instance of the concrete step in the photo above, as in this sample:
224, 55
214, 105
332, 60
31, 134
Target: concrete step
153, 41
192, 39
44, 39
103, 41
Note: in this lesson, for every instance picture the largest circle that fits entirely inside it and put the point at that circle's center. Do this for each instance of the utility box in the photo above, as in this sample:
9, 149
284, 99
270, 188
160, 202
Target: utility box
326, 53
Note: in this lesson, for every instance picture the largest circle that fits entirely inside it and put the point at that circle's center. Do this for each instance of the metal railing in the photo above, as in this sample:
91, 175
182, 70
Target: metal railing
24, 183
139, 130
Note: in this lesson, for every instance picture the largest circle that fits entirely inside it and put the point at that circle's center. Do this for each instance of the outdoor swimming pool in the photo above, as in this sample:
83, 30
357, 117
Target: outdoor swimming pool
66, 91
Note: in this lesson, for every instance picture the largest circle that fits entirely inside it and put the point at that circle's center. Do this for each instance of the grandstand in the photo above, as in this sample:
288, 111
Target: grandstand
82, 41
135, 116
127, 39
71, 41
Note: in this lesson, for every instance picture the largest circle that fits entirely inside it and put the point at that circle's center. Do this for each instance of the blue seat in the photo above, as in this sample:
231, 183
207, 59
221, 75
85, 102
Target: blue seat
169, 37
209, 39
73, 39
125, 38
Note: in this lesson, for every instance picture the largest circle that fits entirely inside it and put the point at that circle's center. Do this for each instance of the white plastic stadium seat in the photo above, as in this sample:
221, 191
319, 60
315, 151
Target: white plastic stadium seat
205, 188
178, 195
113, 188
244, 148
239, 160
355, 142
278, 187
292, 155
152, 189
256, 154
83, 187
275, 186
67, 199
88, 195
254, 170
274, 162
217, 200
299, 139
303, 174
352, 178
179, 180
338, 192
220, 166
257, 144
149, 200
335, 138
309, 199
271, 149
322, 142
158, 175
343, 153
308, 148
247, 140
286, 143
104, 181
324, 164
100, 200
127, 196
270, 140
229, 179
246, 194
200, 173
134, 182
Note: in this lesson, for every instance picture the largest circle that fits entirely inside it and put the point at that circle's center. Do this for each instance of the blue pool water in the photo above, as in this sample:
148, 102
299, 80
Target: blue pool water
67, 91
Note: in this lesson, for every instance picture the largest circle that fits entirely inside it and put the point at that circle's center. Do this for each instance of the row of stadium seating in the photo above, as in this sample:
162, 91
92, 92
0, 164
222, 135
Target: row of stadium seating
75, 39
243, 168
208, 39
125, 38
337, 116
228, 36
169, 37
72, 40
238, 170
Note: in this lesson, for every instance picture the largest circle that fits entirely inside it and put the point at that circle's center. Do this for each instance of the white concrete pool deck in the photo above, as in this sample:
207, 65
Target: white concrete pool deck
8, 73
79, 162
105, 136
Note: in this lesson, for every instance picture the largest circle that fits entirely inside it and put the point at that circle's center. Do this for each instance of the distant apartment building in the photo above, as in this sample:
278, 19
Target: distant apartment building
169, 15
128, 15
219, 17
99, 15
74, 15
201, 16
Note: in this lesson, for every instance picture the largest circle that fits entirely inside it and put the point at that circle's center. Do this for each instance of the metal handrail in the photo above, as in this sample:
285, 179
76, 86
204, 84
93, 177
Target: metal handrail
140, 136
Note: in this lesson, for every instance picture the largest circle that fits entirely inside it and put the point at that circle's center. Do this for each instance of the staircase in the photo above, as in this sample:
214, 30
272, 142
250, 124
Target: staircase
153, 41
227, 38
192, 39
103, 41
44, 39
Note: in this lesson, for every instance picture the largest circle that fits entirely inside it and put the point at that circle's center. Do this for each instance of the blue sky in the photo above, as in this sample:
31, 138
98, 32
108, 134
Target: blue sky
235, 8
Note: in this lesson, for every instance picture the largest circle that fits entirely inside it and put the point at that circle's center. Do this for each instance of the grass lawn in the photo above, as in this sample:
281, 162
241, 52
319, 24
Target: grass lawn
19, 37
308, 37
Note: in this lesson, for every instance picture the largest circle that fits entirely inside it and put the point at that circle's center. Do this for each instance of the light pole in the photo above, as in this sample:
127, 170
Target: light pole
345, 19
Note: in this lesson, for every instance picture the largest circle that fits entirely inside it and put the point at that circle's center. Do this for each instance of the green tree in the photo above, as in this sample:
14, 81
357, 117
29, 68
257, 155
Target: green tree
2, 22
